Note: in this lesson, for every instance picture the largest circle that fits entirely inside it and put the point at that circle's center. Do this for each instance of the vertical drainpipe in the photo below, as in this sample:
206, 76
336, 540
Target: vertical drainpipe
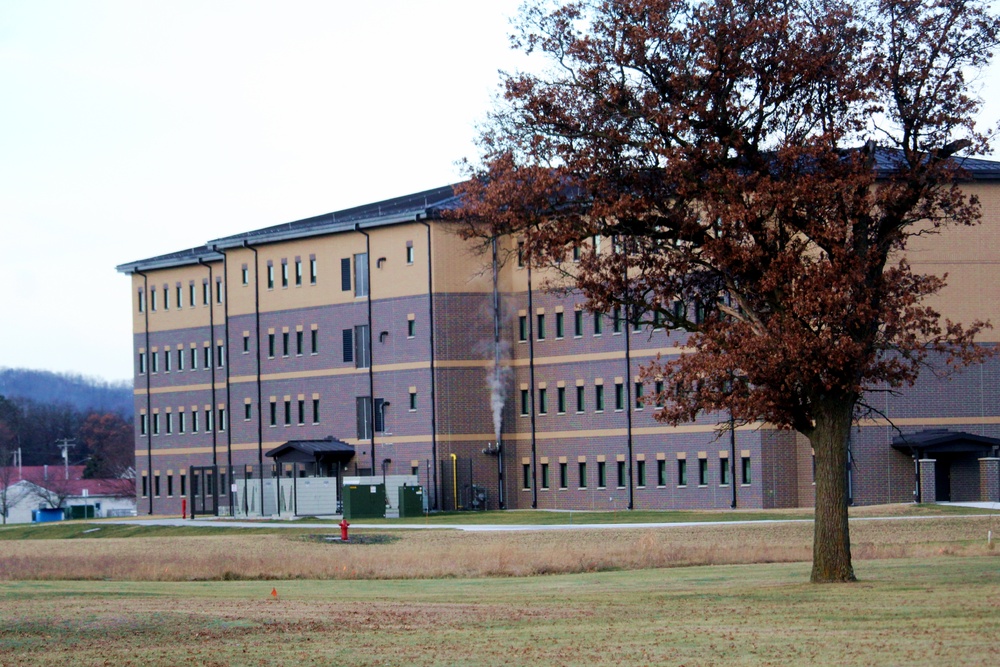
628, 387
531, 391
149, 398
496, 365
211, 365
371, 347
260, 404
430, 308
229, 403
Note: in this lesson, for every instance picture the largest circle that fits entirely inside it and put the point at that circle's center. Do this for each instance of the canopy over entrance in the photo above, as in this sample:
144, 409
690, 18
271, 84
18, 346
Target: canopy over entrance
328, 455
935, 442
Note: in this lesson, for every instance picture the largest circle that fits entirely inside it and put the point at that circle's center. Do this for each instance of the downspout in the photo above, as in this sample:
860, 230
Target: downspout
260, 404
212, 360
371, 347
531, 391
149, 398
628, 391
430, 308
229, 405
496, 370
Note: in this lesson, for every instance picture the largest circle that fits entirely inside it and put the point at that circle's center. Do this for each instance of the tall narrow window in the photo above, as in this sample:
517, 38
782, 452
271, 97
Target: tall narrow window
208, 357
284, 273
724, 471
702, 472
181, 422
579, 399
561, 399
638, 395
218, 291
246, 343
746, 469
525, 476
563, 475
245, 274
525, 402
619, 396
661, 472
204, 293
142, 424
544, 481
616, 319
166, 298
302, 412
284, 343
166, 361
270, 276
152, 299
274, 413
298, 272
577, 323
180, 297
194, 359
191, 294
411, 328
598, 324
543, 404
541, 327
361, 274
142, 363
602, 474
640, 473
312, 271
270, 345
247, 411
299, 335
314, 341
288, 412
364, 417
582, 470
522, 328
413, 401
222, 419
220, 355
621, 474
154, 357
315, 411
180, 358
410, 253
156, 423
194, 420
142, 301
169, 421
560, 325
348, 347
599, 398
345, 274
363, 358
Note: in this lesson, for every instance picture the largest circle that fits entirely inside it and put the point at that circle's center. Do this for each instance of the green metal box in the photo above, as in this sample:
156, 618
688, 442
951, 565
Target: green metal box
411, 501
364, 501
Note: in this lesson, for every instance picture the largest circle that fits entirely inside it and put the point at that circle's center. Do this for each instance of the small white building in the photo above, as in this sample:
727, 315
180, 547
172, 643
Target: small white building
30, 488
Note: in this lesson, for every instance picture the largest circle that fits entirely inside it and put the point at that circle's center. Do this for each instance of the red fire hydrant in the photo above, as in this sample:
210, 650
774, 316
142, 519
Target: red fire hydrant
343, 529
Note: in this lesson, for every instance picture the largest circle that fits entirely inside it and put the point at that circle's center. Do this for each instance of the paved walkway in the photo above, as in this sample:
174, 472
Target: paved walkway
332, 523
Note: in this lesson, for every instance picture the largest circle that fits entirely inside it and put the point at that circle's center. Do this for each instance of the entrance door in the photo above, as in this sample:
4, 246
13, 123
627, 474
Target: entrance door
204, 491
942, 480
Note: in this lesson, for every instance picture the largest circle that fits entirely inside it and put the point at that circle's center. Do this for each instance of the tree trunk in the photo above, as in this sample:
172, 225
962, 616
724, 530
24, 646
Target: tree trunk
831, 536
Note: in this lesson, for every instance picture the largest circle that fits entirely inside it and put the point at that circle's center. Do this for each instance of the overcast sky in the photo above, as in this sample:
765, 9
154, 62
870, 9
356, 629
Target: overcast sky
132, 129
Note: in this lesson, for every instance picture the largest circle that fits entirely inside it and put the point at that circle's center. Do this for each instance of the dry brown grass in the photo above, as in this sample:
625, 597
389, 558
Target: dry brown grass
444, 553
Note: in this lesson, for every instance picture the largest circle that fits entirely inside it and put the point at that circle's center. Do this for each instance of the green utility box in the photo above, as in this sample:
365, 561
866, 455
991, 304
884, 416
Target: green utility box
82, 512
411, 501
364, 501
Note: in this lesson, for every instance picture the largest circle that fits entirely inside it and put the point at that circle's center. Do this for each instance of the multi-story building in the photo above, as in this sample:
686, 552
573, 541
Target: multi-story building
375, 341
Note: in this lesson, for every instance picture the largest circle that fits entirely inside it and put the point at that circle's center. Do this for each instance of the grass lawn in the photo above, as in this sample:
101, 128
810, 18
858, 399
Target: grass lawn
932, 611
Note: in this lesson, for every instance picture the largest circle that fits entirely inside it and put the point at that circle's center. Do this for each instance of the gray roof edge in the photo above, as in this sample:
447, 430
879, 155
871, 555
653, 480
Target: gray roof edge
321, 230
168, 261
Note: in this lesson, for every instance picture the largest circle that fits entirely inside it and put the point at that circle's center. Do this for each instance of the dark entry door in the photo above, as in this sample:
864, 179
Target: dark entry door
942, 480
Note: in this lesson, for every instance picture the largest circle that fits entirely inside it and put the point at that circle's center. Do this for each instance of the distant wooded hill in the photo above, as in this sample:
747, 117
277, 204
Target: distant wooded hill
84, 394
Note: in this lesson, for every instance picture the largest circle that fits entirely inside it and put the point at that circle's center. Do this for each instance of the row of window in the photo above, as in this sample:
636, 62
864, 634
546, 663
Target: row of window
618, 323
681, 473
580, 393
164, 423
178, 303
181, 357
170, 485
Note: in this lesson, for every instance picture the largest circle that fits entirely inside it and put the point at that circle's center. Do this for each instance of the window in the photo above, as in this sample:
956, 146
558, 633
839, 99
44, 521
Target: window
169, 422
145, 483
361, 274
222, 419
298, 272
191, 294
578, 323
152, 299
576, 253
616, 319
298, 343
270, 276
166, 298
274, 413
284, 273
541, 326
142, 363
208, 357
638, 395
156, 423
661, 472
363, 358
194, 420
270, 346
723, 472
582, 469
245, 274
180, 297
288, 412
524, 402
156, 485
181, 425
520, 254
345, 274
314, 341
170, 485
154, 357
563, 475
315, 411
543, 404
142, 424
365, 416
208, 419
284, 343
302, 412
220, 355
619, 396
525, 476
411, 328
702, 472
640, 473
621, 474
602, 474
599, 398
579, 399
348, 335
746, 469
409, 254
246, 343
413, 401
180, 358
247, 411
658, 390
682, 472
545, 476
312, 271
561, 399
218, 291
142, 301
598, 324
522, 328
560, 325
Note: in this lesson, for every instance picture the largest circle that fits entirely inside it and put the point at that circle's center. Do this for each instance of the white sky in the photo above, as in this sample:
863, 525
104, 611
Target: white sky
132, 129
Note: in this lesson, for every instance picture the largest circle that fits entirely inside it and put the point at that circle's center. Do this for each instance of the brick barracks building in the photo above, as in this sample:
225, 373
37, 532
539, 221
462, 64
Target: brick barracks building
365, 341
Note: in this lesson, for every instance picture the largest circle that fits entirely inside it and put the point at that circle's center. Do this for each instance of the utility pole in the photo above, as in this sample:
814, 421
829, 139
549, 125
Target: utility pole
64, 445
